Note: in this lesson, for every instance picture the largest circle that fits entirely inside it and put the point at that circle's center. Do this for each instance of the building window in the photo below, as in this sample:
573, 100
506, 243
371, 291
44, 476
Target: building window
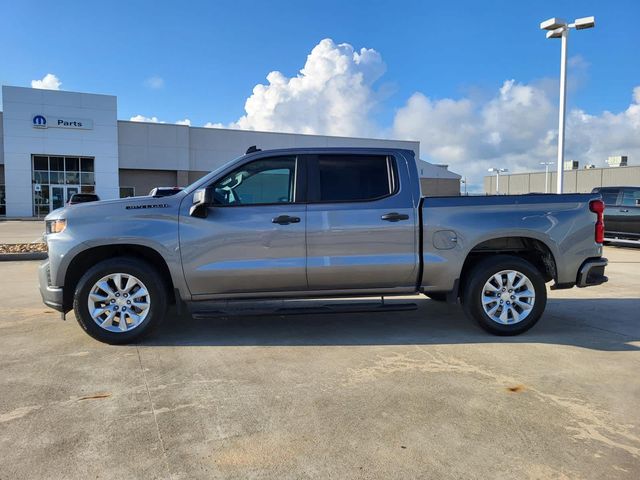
127, 192
56, 177
3, 201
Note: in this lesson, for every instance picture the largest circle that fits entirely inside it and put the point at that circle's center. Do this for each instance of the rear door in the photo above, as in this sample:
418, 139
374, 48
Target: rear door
361, 223
253, 238
629, 212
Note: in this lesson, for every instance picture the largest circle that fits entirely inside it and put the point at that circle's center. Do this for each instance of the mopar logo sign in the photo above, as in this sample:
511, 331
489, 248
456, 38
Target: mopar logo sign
39, 121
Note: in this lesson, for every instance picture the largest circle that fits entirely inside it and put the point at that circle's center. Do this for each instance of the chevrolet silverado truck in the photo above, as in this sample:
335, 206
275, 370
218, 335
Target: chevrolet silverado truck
316, 223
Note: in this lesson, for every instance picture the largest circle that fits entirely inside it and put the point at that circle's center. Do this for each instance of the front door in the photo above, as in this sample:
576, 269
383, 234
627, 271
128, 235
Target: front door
253, 237
361, 224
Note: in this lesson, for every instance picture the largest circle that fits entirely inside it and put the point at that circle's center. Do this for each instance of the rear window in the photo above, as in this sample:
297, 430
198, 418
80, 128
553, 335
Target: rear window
84, 197
349, 178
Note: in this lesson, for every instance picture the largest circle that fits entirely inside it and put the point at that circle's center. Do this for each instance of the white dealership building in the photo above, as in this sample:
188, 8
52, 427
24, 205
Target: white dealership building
56, 143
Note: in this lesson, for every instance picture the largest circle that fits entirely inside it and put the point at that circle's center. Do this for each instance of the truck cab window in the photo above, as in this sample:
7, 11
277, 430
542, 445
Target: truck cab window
631, 198
610, 197
348, 178
265, 181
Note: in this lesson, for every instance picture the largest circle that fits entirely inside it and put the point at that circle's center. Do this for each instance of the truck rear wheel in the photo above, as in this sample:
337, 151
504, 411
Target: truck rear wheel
120, 300
505, 294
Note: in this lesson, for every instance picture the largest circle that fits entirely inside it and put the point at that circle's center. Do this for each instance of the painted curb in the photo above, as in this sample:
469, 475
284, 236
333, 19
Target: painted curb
15, 257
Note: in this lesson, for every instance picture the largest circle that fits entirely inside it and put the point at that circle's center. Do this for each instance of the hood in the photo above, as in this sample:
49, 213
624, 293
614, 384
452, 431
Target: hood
120, 206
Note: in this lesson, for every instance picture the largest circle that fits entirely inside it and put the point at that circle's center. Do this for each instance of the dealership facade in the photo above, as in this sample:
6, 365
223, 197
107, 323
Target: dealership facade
56, 143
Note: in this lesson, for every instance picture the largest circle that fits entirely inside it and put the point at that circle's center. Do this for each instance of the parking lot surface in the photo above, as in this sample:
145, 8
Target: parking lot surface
417, 394
21, 231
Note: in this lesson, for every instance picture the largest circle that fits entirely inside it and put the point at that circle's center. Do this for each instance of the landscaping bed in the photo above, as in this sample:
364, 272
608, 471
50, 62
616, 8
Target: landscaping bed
23, 251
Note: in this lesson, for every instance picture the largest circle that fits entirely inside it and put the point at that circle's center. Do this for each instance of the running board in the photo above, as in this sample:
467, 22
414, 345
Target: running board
209, 309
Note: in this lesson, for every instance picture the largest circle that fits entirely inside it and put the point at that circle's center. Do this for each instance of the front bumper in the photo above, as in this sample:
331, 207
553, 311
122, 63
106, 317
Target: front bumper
592, 272
51, 296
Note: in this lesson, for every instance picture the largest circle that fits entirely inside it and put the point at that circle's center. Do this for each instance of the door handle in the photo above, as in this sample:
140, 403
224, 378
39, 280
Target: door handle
394, 217
285, 220
624, 210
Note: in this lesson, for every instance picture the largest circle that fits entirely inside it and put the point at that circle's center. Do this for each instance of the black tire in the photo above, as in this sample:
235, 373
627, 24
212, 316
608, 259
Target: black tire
473, 292
437, 296
151, 279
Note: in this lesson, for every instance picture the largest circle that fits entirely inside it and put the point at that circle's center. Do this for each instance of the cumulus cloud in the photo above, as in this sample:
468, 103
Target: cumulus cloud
48, 82
516, 129
515, 126
214, 125
154, 82
142, 118
154, 119
332, 94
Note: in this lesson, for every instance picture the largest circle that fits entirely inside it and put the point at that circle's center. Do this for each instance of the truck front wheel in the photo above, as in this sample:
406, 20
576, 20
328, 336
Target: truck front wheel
119, 300
505, 294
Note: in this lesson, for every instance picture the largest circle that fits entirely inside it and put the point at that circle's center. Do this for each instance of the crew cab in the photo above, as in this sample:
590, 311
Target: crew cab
273, 226
622, 213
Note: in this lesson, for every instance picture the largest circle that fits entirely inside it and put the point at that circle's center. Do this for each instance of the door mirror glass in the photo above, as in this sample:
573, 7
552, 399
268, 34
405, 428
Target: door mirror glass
202, 198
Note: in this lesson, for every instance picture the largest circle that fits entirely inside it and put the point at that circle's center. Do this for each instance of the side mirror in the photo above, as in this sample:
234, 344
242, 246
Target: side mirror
202, 198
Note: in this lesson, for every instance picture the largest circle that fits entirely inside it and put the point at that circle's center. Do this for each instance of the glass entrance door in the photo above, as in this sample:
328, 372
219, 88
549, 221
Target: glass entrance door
71, 191
60, 195
57, 177
57, 197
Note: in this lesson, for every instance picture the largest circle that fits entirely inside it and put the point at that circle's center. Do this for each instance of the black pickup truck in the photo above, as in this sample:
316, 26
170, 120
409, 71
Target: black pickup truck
622, 213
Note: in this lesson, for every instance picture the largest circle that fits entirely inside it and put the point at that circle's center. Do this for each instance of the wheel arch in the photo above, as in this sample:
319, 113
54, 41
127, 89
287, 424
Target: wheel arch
93, 255
531, 249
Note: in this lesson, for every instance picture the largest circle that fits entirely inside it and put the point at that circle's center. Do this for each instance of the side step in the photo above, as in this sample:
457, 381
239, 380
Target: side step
209, 309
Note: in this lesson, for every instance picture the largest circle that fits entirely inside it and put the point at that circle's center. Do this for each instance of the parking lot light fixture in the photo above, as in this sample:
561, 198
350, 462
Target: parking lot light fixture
558, 28
498, 171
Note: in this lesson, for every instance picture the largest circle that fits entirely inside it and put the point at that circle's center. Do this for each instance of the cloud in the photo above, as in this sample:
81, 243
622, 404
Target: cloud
154, 119
516, 129
332, 94
154, 82
142, 118
48, 82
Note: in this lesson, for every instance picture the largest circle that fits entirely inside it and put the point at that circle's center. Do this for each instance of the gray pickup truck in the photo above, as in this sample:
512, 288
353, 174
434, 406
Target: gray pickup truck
272, 226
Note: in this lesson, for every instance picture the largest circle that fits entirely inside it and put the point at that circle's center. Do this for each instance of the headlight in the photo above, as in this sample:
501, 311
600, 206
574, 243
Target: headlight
56, 226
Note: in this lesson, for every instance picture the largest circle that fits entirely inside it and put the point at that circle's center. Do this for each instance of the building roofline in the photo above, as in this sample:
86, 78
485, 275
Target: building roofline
270, 132
61, 91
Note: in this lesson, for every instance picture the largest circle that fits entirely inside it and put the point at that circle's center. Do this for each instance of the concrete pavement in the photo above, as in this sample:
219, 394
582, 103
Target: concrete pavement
419, 394
21, 231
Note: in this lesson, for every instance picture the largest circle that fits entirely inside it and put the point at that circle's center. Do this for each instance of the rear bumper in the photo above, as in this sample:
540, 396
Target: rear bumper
592, 272
51, 296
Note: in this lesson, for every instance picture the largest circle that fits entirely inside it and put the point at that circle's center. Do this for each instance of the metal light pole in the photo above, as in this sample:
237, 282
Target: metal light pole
558, 28
498, 172
546, 175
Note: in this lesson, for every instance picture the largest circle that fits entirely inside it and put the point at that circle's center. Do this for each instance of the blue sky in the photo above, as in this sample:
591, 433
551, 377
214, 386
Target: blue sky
211, 54
201, 61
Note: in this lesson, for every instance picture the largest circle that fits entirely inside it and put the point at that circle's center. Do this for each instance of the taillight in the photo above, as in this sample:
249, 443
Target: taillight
597, 207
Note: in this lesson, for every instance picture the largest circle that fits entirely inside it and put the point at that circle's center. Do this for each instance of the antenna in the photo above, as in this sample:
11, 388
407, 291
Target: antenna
252, 149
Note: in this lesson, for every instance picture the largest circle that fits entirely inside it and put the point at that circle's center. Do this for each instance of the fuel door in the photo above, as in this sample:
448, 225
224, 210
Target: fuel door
445, 239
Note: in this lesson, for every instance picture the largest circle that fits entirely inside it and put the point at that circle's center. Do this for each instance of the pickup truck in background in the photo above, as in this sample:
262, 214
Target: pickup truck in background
622, 213
310, 224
